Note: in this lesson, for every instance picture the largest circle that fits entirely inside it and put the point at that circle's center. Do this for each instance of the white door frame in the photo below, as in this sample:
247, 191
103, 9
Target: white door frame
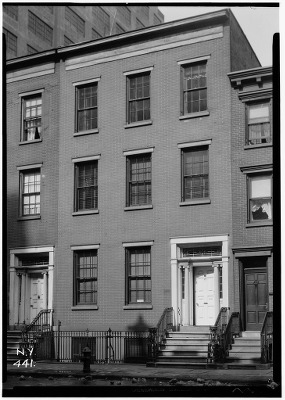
177, 261
20, 282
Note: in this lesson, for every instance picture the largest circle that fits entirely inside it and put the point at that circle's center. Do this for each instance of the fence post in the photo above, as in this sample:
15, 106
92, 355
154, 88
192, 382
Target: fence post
58, 338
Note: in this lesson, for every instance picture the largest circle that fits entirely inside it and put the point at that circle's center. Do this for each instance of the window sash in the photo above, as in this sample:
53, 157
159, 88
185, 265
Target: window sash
32, 118
258, 123
139, 191
85, 277
138, 275
260, 197
30, 193
138, 98
86, 107
194, 88
86, 186
195, 179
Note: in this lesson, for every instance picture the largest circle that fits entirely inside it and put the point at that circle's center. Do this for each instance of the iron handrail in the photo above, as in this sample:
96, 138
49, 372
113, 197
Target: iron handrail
266, 338
222, 334
157, 334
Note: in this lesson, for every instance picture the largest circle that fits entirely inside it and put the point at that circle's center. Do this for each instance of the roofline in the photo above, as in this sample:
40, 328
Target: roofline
114, 39
250, 73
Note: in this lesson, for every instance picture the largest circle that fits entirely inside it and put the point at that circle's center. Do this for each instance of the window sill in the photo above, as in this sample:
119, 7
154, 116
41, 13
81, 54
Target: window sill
89, 132
257, 146
139, 306
88, 212
195, 115
86, 307
30, 141
133, 208
136, 124
29, 217
194, 202
257, 224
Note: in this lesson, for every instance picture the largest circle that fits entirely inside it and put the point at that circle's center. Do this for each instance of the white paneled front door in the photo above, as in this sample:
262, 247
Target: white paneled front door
204, 296
37, 294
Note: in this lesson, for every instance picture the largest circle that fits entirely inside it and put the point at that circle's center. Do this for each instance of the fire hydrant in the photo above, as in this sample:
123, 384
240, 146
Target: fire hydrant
86, 359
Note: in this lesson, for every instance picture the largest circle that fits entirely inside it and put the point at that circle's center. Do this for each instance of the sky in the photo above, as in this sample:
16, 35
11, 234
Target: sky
259, 23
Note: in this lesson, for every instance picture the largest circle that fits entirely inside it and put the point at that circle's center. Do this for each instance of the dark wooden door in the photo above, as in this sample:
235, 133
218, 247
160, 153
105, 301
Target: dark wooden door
256, 297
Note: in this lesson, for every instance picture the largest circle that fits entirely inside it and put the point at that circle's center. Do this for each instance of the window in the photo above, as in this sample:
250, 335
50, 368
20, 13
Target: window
194, 88
67, 41
145, 11
139, 180
86, 186
139, 24
40, 28
87, 108
95, 34
258, 120
31, 50
138, 275
30, 186
124, 14
138, 97
11, 42
74, 21
85, 277
156, 20
12, 11
32, 118
101, 20
260, 197
195, 173
118, 29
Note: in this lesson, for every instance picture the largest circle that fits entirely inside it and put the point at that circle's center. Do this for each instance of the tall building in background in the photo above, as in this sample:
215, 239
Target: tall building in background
30, 29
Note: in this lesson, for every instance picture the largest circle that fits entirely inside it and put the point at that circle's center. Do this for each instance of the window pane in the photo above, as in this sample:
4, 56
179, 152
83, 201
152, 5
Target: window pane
260, 209
138, 97
260, 187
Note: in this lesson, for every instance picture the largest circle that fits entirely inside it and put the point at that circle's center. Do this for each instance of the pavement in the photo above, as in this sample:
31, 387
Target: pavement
69, 375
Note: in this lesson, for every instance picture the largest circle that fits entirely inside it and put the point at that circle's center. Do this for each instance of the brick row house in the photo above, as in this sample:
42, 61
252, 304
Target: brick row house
140, 178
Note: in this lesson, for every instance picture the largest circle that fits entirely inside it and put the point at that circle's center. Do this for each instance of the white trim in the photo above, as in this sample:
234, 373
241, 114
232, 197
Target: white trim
194, 144
144, 48
88, 158
138, 244
86, 82
199, 239
257, 171
85, 247
31, 72
26, 250
138, 71
31, 166
140, 151
193, 60
31, 93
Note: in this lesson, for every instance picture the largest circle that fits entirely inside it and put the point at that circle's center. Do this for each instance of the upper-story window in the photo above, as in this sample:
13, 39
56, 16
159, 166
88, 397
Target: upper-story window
260, 197
139, 180
32, 118
138, 97
194, 88
86, 185
11, 42
195, 173
74, 21
40, 28
86, 106
30, 184
258, 123
11, 10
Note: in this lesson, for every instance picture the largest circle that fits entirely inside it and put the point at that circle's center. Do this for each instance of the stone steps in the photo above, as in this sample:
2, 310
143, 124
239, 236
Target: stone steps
246, 349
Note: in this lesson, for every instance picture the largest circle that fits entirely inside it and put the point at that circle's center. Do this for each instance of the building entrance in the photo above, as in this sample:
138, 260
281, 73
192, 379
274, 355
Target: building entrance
36, 295
204, 296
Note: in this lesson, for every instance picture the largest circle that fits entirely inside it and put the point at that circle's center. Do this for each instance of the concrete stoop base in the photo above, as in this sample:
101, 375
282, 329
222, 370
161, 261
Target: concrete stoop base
209, 366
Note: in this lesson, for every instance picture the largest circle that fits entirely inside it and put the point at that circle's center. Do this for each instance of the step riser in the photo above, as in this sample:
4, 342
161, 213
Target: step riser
251, 362
184, 361
183, 354
253, 335
242, 342
188, 342
245, 356
245, 349
187, 337
184, 348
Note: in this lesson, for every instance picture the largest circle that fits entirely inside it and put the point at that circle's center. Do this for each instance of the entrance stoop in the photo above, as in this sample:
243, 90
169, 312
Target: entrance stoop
185, 348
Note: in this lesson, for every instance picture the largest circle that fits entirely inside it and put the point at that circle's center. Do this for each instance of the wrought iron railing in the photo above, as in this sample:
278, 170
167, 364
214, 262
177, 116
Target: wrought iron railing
266, 338
222, 334
157, 334
38, 335
106, 346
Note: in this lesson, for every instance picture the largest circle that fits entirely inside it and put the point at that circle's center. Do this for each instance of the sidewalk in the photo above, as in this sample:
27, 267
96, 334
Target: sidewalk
118, 371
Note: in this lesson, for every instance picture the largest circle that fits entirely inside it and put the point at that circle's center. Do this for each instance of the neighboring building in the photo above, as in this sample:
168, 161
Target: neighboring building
252, 173
33, 28
127, 172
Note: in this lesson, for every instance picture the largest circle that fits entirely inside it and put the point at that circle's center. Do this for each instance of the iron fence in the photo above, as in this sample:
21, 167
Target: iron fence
106, 346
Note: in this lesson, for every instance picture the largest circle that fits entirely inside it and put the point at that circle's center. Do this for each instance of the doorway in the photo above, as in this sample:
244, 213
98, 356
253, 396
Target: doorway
204, 296
36, 294
255, 297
